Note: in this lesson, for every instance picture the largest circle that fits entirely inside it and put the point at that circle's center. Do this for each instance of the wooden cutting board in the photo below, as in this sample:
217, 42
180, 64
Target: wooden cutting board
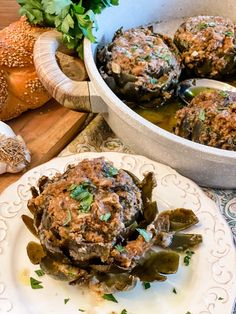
46, 131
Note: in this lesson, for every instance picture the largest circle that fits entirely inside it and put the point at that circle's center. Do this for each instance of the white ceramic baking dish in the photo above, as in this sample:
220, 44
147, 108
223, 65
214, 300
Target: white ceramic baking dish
206, 165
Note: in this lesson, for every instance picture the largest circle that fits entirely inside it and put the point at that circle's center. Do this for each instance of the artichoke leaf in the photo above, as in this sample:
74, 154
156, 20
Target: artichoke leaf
184, 241
111, 283
135, 178
29, 223
148, 184
35, 252
179, 219
130, 230
154, 264
111, 268
150, 212
60, 271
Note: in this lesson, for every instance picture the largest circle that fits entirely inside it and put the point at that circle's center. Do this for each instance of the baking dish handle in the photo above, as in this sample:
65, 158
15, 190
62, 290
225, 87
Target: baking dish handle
80, 96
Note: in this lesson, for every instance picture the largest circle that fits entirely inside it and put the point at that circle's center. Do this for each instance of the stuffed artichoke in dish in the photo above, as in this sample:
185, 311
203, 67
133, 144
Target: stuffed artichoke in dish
140, 66
207, 46
209, 119
98, 225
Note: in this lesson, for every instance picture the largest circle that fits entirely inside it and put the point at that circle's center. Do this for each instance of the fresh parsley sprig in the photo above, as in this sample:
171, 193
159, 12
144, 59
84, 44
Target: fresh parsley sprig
74, 19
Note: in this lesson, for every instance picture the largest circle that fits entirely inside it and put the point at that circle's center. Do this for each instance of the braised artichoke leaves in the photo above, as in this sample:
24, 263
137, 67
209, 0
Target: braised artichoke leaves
35, 252
29, 223
111, 283
63, 272
154, 264
150, 209
178, 219
148, 184
111, 268
183, 241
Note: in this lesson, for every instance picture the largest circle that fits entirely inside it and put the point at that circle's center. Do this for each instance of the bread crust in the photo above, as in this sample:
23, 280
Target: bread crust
20, 88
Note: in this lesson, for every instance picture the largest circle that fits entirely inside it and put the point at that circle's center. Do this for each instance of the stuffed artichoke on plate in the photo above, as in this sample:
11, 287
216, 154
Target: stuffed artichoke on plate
98, 225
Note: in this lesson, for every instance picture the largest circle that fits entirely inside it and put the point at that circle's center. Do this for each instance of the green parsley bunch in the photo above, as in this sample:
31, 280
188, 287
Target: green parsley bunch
74, 19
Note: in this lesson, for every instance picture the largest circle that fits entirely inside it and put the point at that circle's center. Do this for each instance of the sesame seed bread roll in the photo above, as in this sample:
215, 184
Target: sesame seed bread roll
20, 88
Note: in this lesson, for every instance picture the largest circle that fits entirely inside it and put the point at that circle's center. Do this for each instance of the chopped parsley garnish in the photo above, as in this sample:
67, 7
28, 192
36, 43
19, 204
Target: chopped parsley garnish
224, 94
146, 285
110, 171
124, 311
153, 80
220, 298
35, 284
202, 25
212, 24
134, 48
146, 235
105, 217
86, 203
40, 272
120, 248
202, 115
128, 54
188, 312
109, 297
229, 34
147, 58
174, 291
66, 300
81, 310
68, 218
164, 56
82, 194
187, 258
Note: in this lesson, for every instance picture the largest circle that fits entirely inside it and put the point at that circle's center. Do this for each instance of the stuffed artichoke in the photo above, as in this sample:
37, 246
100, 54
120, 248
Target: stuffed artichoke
209, 119
98, 225
140, 66
207, 46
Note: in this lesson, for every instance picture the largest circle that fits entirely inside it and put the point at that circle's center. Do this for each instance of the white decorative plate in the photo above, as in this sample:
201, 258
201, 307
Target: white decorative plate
207, 286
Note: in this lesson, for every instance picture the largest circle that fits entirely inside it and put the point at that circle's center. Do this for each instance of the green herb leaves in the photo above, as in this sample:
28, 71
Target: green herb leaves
55, 6
187, 258
202, 115
82, 194
109, 170
146, 285
229, 34
224, 94
74, 19
66, 300
110, 297
105, 217
204, 25
35, 284
120, 248
124, 311
39, 272
146, 235
153, 80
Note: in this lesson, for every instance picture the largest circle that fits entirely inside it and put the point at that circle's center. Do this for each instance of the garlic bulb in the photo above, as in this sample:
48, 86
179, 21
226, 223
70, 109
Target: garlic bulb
14, 155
